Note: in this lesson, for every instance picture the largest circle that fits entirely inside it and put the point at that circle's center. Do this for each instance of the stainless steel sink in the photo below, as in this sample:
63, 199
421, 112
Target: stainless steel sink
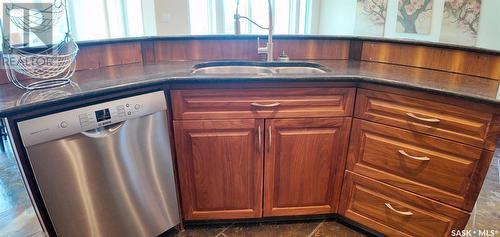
258, 68
298, 70
231, 70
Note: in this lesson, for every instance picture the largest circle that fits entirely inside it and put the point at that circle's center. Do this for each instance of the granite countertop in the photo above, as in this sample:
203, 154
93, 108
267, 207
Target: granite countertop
124, 77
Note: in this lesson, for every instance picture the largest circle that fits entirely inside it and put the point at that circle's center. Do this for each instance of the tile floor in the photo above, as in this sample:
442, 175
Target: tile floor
486, 214
17, 216
315, 228
18, 219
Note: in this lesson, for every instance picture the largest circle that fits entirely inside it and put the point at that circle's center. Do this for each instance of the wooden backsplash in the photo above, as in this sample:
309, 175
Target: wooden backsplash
451, 60
105, 55
159, 50
305, 49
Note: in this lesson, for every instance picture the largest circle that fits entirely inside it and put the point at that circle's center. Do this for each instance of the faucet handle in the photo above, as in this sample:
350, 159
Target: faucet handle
262, 50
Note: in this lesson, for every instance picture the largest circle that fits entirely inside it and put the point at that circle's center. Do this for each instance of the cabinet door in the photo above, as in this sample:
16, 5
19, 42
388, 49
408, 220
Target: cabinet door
220, 168
304, 165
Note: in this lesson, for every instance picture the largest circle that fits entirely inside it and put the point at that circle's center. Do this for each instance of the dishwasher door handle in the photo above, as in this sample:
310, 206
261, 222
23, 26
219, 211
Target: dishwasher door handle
104, 131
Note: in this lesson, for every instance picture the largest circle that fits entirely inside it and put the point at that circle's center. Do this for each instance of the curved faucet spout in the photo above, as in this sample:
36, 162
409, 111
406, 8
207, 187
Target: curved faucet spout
271, 22
268, 50
270, 45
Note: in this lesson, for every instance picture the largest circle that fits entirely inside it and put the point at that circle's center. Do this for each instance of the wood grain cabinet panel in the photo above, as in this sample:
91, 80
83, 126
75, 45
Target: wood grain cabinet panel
437, 168
304, 165
262, 103
457, 122
396, 212
220, 168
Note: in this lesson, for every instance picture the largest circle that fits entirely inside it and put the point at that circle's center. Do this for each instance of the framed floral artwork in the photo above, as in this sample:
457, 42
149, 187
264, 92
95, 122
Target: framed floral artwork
370, 17
414, 16
460, 23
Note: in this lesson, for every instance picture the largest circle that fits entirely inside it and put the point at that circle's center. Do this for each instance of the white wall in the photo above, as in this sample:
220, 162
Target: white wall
330, 17
172, 17
315, 16
338, 17
149, 17
489, 25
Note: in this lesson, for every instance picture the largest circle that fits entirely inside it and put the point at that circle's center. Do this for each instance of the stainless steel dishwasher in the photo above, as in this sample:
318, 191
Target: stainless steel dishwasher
105, 169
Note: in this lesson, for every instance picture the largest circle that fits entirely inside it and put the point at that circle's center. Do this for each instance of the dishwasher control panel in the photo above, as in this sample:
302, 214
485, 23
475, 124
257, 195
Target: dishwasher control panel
102, 117
63, 124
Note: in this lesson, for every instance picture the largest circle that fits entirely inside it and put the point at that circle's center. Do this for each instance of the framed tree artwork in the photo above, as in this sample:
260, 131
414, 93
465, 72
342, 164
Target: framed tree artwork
370, 17
414, 16
460, 23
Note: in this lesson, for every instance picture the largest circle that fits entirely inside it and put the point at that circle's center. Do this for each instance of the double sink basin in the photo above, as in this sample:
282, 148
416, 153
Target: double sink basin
258, 68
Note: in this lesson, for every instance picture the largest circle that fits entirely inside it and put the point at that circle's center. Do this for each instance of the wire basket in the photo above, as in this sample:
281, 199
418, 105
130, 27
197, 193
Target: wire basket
39, 20
51, 67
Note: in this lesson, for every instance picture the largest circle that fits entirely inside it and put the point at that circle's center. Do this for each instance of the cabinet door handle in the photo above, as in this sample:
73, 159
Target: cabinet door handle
420, 158
270, 139
404, 213
265, 105
260, 138
429, 120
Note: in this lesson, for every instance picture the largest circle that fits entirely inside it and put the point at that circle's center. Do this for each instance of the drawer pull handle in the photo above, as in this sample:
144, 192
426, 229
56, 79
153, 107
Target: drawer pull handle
423, 158
404, 213
266, 106
429, 120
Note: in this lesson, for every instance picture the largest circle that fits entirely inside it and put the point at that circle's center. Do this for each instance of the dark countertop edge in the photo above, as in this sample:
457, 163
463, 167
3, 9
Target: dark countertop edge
290, 37
172, 80
19, 109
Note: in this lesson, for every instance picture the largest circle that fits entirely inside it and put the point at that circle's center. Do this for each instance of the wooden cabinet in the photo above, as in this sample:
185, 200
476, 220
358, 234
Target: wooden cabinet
220, 168
430, 166
396, 212
222, 142
412, 164
416, 161
304, 165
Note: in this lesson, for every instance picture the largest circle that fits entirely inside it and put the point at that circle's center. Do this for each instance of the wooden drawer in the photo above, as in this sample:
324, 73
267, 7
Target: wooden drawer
396, 212
262, 103
458, 122
430, 166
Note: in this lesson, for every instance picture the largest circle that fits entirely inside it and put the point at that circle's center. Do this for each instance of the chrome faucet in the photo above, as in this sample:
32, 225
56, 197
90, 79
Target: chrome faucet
268, 49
